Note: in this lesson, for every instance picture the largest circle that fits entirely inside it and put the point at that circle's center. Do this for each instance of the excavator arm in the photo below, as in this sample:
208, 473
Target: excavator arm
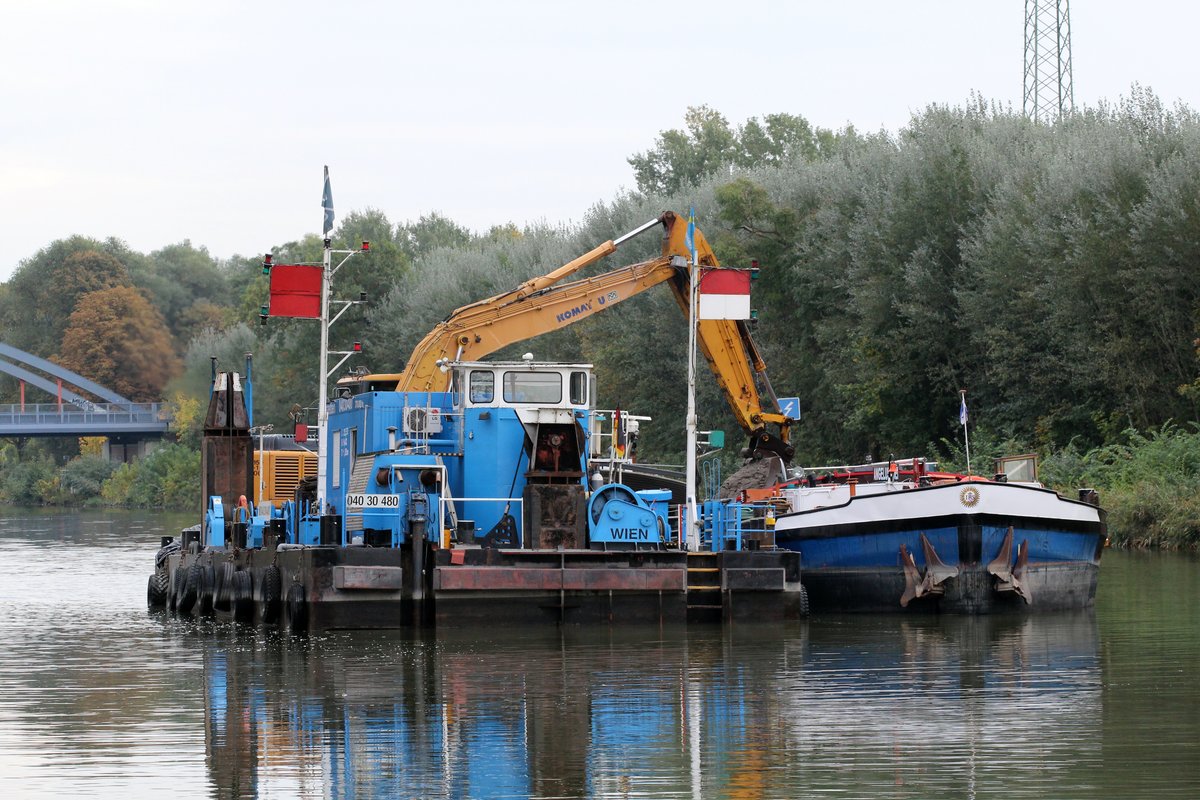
731, 353
542, 304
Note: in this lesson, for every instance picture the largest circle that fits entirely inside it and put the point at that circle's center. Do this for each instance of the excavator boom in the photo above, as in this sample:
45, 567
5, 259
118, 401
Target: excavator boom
543, 304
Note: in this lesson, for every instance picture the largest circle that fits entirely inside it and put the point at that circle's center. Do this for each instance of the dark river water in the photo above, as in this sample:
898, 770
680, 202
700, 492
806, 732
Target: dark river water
98, 698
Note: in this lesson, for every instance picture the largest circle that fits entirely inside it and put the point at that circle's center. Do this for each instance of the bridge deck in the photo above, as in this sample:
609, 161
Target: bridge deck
98, 419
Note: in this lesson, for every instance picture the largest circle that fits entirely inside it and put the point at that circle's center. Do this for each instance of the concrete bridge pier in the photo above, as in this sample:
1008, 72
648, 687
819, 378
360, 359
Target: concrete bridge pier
128, 449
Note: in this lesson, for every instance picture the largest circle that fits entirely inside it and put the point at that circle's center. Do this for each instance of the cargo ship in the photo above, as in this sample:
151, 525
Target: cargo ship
904, 536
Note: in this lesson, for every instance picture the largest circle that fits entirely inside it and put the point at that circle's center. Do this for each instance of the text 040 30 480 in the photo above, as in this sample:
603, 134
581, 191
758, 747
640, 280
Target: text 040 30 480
372, 501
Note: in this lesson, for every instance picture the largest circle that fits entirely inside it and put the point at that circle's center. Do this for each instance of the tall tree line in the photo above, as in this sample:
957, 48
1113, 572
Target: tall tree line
1048, 270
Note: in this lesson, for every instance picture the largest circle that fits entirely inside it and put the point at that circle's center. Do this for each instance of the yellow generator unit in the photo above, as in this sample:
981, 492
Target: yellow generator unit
281, 471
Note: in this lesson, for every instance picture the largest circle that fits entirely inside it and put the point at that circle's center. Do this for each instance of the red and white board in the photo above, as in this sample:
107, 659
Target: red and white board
724, 294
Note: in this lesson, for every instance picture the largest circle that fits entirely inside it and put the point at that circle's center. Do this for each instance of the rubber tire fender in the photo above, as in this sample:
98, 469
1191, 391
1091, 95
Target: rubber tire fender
224, 590
296, 608
208, 580
176, 588
191, 588
270, 592
156, 590
242, 602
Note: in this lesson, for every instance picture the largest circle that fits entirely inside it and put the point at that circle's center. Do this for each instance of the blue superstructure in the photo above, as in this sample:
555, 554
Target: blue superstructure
445, 462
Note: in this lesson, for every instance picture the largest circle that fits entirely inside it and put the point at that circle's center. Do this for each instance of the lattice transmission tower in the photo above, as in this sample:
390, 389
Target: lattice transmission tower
1049, 91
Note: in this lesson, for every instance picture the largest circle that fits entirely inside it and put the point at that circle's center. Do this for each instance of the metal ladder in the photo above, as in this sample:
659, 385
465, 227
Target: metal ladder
704, 597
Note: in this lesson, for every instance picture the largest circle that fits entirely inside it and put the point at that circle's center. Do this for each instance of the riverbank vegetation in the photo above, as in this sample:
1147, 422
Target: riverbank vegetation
1049, 270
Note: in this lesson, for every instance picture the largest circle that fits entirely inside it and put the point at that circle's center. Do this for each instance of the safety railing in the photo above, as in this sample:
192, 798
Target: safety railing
730, 525
69, 414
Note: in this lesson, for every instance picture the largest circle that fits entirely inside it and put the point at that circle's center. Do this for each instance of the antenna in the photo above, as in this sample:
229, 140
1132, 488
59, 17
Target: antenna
1049, 88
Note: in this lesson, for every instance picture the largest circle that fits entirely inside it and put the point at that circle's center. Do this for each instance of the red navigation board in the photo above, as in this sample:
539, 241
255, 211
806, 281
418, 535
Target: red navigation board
296, 291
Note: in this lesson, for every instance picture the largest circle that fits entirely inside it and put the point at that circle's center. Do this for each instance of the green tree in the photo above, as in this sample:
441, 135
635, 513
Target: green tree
187, 287
83, 477
430, 232
709, 144
682, 157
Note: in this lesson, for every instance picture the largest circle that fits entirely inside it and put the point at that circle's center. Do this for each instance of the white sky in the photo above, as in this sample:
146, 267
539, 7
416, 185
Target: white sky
161, 120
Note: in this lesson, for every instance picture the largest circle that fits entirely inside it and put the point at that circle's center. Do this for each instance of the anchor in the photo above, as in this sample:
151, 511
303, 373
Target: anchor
1009, 576
936, 572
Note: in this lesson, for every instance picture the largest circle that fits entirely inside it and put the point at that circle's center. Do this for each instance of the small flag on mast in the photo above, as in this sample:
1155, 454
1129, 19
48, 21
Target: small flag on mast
962, 409
691, 233
327, 204
619, 438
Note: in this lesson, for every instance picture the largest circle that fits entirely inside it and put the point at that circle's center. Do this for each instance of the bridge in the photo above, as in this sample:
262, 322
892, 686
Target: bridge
119, 419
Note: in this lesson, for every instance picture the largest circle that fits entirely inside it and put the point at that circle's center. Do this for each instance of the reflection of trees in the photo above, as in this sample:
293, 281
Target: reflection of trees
1151, 655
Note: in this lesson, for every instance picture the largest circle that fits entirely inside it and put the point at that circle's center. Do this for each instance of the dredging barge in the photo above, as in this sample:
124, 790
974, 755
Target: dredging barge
461, 507
464, 491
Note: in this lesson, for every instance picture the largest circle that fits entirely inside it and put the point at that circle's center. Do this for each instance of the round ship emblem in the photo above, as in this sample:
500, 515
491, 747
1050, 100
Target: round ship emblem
969, 496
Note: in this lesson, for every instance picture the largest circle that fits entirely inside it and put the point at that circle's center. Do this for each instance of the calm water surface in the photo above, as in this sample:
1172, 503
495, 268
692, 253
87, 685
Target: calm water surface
98, 698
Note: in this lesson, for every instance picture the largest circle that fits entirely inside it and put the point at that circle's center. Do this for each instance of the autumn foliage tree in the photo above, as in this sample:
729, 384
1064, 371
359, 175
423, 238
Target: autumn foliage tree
115, 337
46, 288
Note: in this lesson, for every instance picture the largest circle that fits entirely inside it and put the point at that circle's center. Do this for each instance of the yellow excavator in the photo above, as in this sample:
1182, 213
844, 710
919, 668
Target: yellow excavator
542, 304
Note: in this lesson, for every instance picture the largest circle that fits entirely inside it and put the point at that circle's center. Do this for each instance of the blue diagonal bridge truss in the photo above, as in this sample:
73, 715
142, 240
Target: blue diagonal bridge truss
74, 414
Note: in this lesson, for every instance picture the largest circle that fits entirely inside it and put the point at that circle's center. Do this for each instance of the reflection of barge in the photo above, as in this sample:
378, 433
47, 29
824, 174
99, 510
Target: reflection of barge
659, 710
882, 537
454, 506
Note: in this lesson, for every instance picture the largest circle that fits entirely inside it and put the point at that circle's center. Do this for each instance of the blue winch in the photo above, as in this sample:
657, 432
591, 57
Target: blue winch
617, 515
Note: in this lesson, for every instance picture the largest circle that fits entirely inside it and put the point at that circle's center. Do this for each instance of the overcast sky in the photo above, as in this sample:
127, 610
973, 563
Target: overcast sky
156, 121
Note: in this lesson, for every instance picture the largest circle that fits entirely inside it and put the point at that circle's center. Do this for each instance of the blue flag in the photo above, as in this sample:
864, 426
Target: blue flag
327, 204
962, 410
691, 233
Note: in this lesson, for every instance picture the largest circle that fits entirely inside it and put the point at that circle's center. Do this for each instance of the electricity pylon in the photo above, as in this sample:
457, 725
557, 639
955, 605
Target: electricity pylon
1049, 91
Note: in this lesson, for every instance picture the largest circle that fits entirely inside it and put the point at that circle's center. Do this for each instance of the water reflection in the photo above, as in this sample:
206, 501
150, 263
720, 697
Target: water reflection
102, 700
899, 706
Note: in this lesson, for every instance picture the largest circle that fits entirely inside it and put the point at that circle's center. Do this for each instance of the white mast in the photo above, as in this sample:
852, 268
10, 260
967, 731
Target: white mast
323, 392
962, 418
327, 273
693, 518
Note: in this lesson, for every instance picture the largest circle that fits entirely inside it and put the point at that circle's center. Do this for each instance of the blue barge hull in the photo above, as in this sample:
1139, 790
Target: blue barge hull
975, 547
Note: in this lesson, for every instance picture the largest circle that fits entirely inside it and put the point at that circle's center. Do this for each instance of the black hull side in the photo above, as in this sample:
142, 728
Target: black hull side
1052, 587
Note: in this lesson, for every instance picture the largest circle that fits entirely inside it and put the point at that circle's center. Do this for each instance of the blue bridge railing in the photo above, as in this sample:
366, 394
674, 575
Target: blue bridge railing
90, 419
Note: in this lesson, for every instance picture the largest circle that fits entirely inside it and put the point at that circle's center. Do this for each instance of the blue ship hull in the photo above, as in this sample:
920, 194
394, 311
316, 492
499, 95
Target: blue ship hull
854, 554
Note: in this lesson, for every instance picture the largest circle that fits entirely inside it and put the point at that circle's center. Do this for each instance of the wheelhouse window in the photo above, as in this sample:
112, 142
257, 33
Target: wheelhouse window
579, 393
532, 387
483, 386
